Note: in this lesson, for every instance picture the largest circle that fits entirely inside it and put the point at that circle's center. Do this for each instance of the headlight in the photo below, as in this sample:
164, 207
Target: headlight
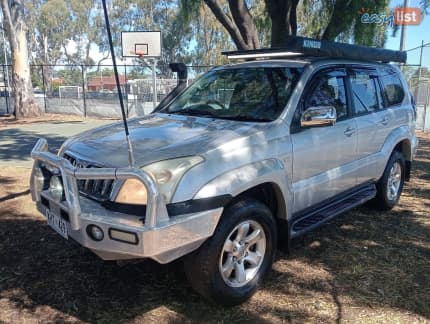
166, 174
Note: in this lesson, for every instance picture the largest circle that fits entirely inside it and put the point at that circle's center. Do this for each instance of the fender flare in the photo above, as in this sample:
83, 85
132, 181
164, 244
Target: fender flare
239, 180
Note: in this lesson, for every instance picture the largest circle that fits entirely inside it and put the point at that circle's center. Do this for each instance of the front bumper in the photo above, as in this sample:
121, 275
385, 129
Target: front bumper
159, 237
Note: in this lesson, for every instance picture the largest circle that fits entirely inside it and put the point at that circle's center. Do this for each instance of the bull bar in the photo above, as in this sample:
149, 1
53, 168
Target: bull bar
161, 237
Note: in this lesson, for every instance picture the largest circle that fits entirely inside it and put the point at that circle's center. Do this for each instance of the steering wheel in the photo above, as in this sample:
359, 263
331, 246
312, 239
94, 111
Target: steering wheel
215, 102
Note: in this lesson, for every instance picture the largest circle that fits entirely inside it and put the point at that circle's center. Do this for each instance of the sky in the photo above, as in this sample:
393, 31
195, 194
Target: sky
414, 36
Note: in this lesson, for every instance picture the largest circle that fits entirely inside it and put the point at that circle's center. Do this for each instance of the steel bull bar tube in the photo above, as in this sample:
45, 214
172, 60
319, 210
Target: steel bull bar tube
156, 212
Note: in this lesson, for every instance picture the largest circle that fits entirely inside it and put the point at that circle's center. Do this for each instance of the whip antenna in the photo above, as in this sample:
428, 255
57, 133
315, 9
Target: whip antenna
118, 85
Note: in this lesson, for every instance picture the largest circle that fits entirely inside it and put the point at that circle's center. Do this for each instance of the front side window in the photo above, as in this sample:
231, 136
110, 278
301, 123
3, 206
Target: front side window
249, 94
328, 90
365, 90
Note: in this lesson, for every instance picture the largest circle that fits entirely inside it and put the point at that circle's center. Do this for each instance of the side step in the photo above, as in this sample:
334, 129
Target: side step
313, 218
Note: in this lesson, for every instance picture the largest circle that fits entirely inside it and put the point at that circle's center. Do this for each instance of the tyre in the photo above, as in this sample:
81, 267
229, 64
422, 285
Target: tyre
229, 267
390, 185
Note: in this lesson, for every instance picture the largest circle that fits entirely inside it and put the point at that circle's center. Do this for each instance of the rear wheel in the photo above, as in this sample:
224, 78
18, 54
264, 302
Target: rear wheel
228, 268
390, 185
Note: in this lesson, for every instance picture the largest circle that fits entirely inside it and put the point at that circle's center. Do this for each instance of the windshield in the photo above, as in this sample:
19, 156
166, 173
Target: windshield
248, 94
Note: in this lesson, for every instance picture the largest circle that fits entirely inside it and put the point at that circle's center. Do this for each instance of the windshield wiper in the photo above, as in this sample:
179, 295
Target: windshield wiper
194, 112
245, 118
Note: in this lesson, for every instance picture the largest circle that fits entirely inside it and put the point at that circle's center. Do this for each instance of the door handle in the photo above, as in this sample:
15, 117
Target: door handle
384, 121
349, 131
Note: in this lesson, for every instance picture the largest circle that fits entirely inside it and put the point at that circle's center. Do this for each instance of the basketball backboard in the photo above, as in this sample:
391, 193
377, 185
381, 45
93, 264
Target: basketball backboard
141, 44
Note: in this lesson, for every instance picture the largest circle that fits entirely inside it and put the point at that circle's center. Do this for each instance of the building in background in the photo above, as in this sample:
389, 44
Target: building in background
105, 83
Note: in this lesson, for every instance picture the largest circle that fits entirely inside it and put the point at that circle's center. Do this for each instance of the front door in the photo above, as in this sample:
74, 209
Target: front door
322, 155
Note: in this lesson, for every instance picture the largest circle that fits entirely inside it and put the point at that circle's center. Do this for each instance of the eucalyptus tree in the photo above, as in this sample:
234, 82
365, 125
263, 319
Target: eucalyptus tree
50, 23
325, 19
242, 19
16, 28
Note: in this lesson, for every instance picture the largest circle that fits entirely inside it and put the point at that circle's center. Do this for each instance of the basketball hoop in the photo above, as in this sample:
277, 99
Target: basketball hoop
140, 54
141, 44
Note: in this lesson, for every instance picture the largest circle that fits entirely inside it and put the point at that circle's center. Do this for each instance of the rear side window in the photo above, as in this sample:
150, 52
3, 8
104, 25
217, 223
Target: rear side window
392, 89
365, 92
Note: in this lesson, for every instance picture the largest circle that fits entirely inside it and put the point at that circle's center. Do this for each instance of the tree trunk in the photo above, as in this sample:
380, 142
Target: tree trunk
339, 20
13, 13
284, 20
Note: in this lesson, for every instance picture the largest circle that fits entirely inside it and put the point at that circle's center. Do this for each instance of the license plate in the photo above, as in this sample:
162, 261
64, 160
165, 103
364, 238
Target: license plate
58, 224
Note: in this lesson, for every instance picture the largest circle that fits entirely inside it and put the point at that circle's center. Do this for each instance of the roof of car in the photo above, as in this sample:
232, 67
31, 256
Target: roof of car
266, 63
296, 45
299, 61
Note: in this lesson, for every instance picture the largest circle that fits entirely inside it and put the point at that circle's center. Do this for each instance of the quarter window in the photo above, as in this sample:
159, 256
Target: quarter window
392, 89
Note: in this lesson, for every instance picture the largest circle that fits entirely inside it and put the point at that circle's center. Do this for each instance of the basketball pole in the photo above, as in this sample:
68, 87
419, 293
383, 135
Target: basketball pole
154, 83
118, 85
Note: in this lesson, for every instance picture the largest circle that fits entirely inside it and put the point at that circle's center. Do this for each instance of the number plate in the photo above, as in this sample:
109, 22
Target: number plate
58, 224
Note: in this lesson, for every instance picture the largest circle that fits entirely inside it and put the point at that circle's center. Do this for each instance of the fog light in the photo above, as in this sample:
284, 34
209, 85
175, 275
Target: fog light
123, 236
56, 188
95, 232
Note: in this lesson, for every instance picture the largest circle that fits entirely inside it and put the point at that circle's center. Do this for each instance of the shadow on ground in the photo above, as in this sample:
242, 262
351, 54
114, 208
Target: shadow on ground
376, 259
17, 144
72, 280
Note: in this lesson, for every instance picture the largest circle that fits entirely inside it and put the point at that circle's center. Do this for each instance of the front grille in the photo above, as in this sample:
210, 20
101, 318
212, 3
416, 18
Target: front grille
95, 189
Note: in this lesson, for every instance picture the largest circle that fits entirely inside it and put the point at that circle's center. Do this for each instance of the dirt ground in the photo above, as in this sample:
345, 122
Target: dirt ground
365, 266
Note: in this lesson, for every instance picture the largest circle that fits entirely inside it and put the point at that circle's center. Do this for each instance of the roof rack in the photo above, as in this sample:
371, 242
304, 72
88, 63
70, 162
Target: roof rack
302, 46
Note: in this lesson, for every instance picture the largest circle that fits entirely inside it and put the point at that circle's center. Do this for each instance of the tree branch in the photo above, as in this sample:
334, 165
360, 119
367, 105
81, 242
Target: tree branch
245, 23
228, 24
338, 21
69, 57
293, 17
7, 20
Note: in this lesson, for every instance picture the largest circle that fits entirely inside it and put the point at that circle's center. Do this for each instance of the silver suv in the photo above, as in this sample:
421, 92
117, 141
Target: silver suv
248, 154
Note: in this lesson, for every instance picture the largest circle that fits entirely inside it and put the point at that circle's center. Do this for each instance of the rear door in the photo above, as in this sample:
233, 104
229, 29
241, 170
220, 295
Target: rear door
321, 155
372, 99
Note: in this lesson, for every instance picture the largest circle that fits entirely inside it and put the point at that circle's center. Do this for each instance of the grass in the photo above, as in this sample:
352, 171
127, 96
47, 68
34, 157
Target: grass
365, 266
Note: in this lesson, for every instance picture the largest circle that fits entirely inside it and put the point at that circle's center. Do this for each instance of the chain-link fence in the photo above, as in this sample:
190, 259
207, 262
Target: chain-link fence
417, 74
5, 99
86, 90
420, 90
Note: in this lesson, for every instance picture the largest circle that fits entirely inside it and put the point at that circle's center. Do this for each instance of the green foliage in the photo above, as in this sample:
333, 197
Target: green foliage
190, 9
341, 20
190, 31
425, 6
313, 16
210, 37
137, 72
262, 22
71, 76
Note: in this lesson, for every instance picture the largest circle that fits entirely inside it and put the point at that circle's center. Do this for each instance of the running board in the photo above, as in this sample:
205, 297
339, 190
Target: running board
313, 218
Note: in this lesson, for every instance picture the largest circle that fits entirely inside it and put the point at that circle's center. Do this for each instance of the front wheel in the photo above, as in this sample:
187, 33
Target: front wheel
390, 185
228, 268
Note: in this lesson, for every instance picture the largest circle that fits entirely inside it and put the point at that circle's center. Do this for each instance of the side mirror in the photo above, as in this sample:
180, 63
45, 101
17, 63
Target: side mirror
318, 116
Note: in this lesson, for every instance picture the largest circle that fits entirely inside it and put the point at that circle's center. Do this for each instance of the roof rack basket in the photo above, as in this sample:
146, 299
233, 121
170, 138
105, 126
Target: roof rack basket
302, 46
